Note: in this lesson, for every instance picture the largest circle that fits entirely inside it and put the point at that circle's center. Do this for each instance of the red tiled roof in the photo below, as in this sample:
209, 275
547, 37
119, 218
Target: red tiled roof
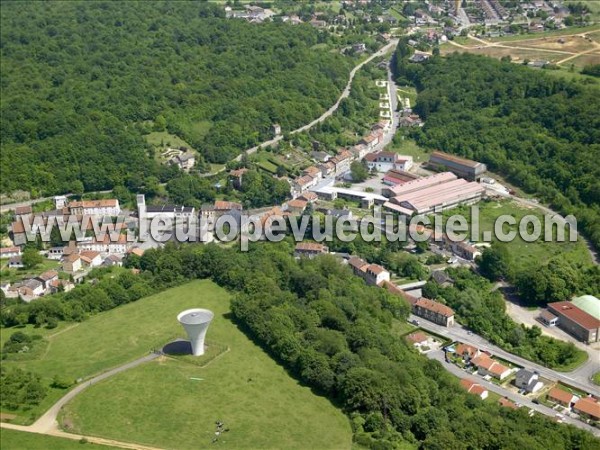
48, 275
107, 203
392, 288
357, 262
23, 210
297, 203
417, 337
223, 205
435, 307
9, 250
375, 268
507, 403
310, 246
461, 349
575, 314
560, 395
589, 406
455, 159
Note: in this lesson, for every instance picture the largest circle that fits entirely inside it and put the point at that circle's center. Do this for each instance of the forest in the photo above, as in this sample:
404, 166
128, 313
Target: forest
84, 82
542, 133
332, 332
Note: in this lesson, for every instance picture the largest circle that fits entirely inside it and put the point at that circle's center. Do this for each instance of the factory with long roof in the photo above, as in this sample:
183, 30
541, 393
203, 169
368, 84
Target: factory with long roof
434, 193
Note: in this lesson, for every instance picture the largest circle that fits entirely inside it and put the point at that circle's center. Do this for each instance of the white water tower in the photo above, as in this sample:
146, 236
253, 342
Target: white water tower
196, 322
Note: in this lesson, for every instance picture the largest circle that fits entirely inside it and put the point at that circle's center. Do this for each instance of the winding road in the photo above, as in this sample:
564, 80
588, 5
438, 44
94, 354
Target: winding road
345, 93
48, 423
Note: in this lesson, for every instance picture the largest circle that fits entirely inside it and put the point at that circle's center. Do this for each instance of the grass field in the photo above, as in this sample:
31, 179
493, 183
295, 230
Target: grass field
564, 32
525, 254
411, 148
162, 139
160, 404
596, 378
19, 440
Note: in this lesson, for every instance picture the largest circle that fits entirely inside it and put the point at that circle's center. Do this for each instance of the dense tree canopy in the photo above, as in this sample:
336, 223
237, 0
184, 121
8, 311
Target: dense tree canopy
83, 81
542, 132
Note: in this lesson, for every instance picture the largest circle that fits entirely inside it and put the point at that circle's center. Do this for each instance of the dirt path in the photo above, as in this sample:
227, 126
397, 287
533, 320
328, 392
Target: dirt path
48, 423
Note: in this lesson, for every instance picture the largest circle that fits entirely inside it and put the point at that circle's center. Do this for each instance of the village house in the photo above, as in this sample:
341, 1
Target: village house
386, 161
310, 249
313, 171
506, 403
185, 161
467, 352
55, 253
588, 407
474, 388
106, 246
10, 252
528, 380
90, 258
309, 197
72, 263
302, 184
296, 206
46, 278
487, 366
60, 285
342, 162
235, 177
15, 263
562, 397
108, 207
373, 274
410, 120
434, 311
23, 211
370, 141
359, 151
327, 169
112, 260
417, 339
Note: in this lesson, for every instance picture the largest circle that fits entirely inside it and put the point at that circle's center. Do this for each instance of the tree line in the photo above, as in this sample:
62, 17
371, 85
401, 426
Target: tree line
542, 133
100, 75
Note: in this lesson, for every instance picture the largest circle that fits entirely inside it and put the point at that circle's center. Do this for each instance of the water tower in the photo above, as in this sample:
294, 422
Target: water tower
196, 322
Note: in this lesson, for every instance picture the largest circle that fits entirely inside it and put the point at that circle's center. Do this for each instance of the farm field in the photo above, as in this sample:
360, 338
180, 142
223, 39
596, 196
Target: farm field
258, 401
19, 440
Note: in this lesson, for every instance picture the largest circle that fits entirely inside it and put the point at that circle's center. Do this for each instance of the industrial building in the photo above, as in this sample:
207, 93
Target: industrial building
575, 321
465, 168
435, 193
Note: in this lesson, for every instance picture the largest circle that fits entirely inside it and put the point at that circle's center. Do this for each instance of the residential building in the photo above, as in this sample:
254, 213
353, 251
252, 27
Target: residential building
374, 274
23, 211
576, 321
296, 206
465, 168
72, 263
320, 156
60, 285
418, 57
528, 380
235, 176
10, 252
91, 258
309, 197
386, 161
108, 207
31, 288
15, 263
303, 183
185, 160
327, 169
55, 253
47, 278
106, 246
314, 172
588, 407
342, 162
562, 397
417, 338
487, 366
410, 120
474, 388
60, 201
467, 352
112, 260
434, 311
310, 249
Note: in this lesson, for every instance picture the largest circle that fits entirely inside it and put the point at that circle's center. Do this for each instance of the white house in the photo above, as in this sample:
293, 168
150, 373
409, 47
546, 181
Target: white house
385, 161
108, 207
9, 252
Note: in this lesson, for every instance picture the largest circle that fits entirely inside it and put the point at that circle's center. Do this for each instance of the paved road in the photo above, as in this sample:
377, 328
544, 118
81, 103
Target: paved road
47, 423
515, 397
579, 378
345, 93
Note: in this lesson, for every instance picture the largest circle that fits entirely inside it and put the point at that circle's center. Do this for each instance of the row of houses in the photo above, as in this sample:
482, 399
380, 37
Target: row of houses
31, 288
587, 407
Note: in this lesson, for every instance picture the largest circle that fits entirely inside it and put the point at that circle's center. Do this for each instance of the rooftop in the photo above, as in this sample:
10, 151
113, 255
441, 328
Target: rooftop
575, 314
435, 307
195, 316
560, 395
454, 159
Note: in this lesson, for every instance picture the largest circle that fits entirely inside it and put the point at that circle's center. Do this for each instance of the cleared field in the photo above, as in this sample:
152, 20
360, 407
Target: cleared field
19, 440
585, 60
524, 254
499, 52
574, 44
564, 32
174, 404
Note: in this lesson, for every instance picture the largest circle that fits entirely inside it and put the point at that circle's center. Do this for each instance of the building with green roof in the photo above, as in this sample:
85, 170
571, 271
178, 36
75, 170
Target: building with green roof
589, 304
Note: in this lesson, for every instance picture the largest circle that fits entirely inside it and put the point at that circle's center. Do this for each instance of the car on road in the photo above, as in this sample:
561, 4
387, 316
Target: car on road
415, 322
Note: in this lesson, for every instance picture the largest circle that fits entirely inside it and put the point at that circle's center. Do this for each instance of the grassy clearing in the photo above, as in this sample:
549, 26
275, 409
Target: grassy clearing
409, 147
12, 275
524, 254
163, 139
19, 440
160, 404
564, 32
402, 327
582, 357
596, 378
